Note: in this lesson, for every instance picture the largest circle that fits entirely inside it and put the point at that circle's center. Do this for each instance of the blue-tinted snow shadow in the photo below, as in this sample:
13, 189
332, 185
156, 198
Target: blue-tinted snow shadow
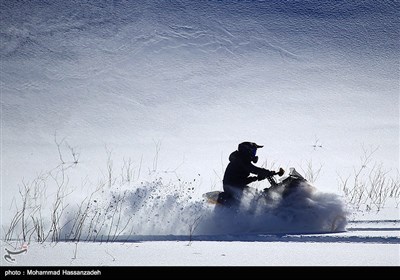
338, 237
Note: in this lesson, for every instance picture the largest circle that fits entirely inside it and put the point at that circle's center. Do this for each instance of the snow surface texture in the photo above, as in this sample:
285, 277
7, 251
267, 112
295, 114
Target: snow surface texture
313, 81
366, 243
200, 77
290, 251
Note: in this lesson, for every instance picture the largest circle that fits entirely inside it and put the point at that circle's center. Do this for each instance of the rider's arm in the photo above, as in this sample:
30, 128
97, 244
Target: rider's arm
251, 180
259, 171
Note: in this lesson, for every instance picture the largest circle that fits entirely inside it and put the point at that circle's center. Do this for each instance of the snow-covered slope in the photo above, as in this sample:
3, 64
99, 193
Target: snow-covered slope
132, 108
189, 80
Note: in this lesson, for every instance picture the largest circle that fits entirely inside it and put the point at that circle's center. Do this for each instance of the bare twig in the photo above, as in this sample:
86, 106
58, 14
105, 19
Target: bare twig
372, 184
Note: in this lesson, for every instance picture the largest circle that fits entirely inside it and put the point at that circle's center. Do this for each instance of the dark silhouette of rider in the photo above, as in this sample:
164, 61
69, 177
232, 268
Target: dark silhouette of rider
238, 172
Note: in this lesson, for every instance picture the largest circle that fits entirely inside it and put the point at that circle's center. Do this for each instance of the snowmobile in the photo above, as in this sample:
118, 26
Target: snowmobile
289, 200
284, 186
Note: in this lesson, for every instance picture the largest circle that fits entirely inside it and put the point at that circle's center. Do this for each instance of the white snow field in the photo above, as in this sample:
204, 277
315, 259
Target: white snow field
373, 243
117, 116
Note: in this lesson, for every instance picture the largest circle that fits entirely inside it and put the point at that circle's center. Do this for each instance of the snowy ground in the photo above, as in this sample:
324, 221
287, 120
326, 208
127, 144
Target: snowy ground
109, 105
364, 243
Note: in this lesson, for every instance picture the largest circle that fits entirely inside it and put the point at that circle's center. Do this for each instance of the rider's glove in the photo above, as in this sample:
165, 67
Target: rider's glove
253, 179
267, 173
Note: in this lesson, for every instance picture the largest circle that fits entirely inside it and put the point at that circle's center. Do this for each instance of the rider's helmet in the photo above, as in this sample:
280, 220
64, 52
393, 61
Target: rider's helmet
249, 150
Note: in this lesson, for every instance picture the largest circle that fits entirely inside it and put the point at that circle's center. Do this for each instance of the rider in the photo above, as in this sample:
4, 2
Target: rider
237, 173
